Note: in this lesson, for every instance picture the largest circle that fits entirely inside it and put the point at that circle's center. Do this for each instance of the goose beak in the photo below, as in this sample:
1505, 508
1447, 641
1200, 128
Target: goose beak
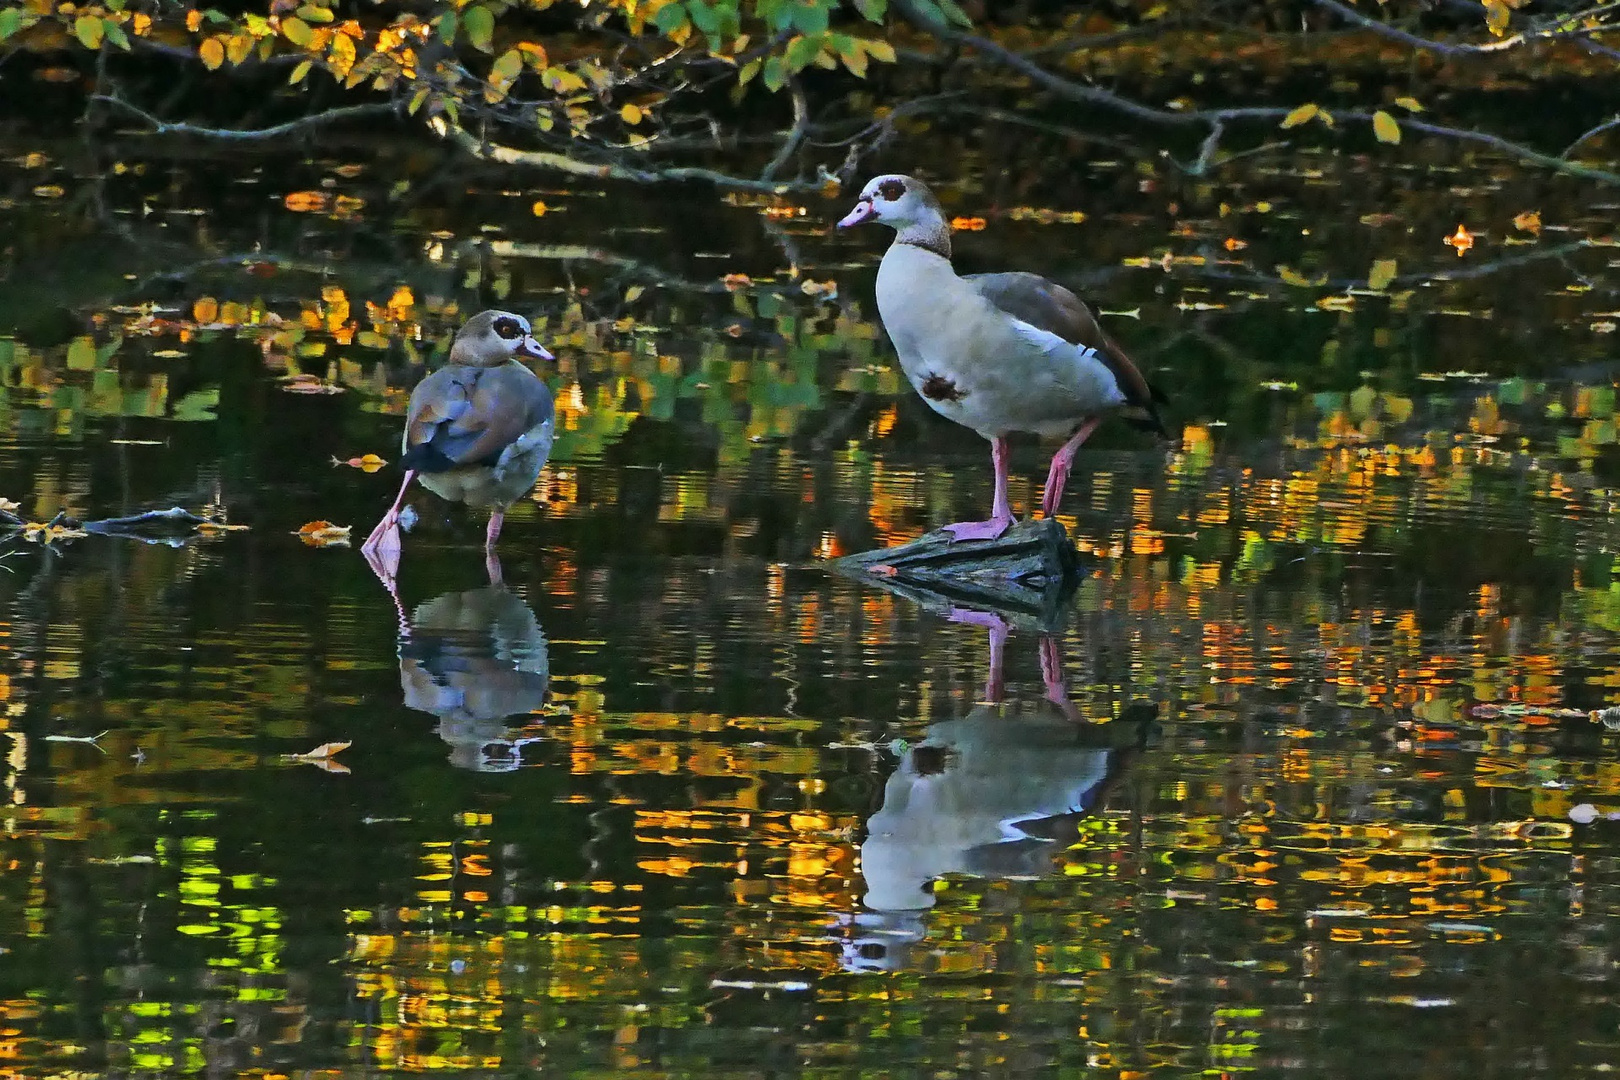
533, 349
862, 212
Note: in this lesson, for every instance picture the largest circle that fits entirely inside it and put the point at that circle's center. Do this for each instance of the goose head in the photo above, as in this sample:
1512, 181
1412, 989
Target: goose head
900, 202
491, 338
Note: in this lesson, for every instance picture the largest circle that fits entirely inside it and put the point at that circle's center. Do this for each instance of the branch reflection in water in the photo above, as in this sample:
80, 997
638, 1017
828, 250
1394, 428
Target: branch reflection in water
473, 659
994, 794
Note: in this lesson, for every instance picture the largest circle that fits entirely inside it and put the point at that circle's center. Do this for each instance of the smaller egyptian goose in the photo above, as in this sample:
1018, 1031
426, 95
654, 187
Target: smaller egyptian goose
999, 353
477, 431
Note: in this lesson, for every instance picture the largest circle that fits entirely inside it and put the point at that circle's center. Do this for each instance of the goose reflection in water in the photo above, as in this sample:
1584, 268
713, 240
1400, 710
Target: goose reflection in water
474, 659
994, 794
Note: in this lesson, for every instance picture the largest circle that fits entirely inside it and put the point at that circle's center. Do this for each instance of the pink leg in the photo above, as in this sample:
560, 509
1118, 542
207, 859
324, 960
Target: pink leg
381, 548
492, 562
994, 684
1052, 676
1058, 474
1000, 513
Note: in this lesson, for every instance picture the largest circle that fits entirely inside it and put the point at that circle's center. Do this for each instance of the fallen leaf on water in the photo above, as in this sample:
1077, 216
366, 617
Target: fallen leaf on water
1383, 272
1529, 221
1294, 277
968, 224
734, 282
324, 534
1605, 326
307, 202
210, 527
1234, 244
308, 384
367, 463
1385, 127
322, 756
1409, 104
811, 287
45, 533
1462, 240
325, 750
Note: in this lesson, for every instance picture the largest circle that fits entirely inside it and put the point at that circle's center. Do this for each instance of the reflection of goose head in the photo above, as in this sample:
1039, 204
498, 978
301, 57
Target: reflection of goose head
473, 659
958, 797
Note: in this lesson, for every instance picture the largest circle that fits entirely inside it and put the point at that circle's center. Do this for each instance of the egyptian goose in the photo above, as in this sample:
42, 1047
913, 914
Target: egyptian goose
999, 353
477, 431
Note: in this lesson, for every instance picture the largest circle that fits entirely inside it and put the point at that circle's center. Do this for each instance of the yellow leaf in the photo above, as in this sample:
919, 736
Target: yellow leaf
193, 21
238, 47
630, 114
1409, 104
880, 51
205, 311
212, 53
141, 23
1383, 272
539, 208
299, 73
1385, 127
297, 30
1529, 221
633, 293
1300, 115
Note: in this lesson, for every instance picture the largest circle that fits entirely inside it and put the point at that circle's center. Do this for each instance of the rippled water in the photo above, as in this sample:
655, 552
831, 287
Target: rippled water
1309, 780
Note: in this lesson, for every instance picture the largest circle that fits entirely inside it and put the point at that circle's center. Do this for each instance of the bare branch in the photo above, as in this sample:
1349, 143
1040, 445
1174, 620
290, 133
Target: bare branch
552, 161
795, 135
314, 120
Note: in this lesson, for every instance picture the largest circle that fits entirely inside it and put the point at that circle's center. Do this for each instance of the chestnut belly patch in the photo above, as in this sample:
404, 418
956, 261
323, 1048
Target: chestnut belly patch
938, 388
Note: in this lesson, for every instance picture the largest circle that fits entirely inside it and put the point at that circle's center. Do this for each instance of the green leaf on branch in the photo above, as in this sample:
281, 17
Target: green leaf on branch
872, 10
507, 67
479, 22
89, 30
297, 31
447, 24
115, 34
801, 51
670, 18
11, 21
775, 73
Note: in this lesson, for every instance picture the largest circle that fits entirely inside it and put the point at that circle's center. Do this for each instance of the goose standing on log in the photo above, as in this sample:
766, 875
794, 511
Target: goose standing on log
477, 431
999, 353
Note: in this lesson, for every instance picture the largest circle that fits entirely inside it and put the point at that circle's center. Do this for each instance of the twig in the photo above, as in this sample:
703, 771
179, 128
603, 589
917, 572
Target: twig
795, 135
91, 739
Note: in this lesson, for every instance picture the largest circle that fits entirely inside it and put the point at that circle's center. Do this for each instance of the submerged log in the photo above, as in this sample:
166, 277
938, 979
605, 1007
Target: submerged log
1026, 574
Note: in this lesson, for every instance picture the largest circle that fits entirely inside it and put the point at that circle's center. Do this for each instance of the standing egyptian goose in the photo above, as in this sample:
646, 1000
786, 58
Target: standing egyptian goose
999, 353
478, 431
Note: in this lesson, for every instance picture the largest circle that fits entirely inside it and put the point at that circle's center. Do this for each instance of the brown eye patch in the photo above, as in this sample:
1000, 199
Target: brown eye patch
891, 190
510, 329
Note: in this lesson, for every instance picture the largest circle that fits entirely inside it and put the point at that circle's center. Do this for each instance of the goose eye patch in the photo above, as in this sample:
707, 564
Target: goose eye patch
891, 190
508, 329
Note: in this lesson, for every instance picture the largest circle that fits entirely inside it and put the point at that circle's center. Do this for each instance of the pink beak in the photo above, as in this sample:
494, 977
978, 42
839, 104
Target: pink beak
863, 211
533, 349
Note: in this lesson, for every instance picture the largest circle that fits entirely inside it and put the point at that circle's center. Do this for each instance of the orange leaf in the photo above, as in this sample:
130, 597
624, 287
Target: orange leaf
968, 224
324, 534
1529, 221
1462, 240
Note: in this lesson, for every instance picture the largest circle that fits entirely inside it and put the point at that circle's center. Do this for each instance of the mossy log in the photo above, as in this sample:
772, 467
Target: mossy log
1025, 574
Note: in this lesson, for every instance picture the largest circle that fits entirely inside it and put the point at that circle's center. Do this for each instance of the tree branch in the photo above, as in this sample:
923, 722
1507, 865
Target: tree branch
314, 120
551, 161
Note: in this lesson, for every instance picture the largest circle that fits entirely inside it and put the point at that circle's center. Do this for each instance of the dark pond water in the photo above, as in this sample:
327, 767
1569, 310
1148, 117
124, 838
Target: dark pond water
1310, 777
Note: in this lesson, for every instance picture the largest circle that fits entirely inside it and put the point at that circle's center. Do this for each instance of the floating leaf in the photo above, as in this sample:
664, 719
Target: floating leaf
324, 534
324, 750
1383, 272
1529, 221
365, 463
634, 293
1300, 115
539, 208
1462, 240
968, 224
1385, 127
1294, 277
1409, 104
736, 282
307, 202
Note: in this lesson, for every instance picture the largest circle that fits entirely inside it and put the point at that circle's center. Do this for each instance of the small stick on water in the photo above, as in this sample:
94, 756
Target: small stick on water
91, 739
